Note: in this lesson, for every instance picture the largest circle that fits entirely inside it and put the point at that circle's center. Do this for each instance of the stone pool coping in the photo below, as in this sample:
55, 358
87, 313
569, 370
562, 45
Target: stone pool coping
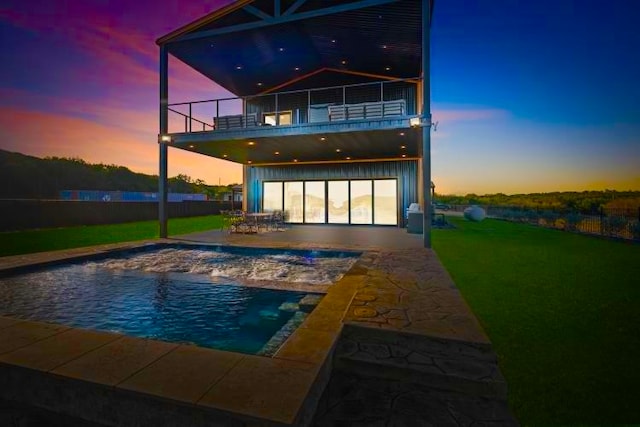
41, 360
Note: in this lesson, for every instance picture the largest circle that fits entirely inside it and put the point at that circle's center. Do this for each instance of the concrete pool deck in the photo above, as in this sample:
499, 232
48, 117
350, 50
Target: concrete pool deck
392, 343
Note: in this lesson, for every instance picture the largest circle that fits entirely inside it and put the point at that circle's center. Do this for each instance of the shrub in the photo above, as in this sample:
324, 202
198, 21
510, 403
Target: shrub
571, 221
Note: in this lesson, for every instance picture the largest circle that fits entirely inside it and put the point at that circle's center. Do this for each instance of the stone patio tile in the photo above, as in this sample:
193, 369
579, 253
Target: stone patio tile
184, 374
336, 301
272, 389
48, 353
323, 319
308, 345
5, 322
115, 361
24, 333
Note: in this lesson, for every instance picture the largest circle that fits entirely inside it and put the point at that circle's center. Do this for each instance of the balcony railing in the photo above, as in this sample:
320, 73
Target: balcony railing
362, 101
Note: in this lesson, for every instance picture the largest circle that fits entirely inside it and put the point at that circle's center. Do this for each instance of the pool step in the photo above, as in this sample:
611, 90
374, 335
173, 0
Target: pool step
444, 364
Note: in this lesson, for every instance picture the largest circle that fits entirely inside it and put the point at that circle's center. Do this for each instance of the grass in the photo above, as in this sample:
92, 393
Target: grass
562, 311
21, 242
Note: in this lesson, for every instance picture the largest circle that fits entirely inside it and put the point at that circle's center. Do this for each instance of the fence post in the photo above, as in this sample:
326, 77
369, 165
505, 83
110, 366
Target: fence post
601, 221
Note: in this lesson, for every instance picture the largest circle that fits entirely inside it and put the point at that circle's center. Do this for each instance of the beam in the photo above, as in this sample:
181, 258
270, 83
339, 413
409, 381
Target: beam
284, 18
256, 12
426, 125
276, 8
294, 7
164, 130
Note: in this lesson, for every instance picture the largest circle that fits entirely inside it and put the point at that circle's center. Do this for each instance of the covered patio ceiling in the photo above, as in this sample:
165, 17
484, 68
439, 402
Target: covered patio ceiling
370, 145
252, 47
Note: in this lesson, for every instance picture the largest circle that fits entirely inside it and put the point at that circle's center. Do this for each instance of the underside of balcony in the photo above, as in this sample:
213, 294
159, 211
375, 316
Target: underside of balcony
310, 142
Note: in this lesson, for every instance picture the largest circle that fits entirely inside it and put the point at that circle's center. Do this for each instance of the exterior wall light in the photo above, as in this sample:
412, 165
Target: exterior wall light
164, 138
414, 122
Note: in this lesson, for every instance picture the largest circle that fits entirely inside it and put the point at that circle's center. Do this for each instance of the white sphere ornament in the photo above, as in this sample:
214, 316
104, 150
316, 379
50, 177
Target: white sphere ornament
475, 213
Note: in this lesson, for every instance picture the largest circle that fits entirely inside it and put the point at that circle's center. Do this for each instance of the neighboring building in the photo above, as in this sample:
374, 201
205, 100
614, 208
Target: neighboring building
128, 196
331, 118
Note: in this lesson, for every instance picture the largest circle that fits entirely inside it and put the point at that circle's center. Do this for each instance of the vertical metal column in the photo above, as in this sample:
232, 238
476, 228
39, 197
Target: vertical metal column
164, 130
426, 123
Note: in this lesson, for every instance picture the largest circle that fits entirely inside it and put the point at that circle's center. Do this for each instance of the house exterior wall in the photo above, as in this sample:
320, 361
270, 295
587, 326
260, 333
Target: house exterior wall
406, 172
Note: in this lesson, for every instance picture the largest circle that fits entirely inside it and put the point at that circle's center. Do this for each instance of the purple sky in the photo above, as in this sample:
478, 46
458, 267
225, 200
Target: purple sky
530, 96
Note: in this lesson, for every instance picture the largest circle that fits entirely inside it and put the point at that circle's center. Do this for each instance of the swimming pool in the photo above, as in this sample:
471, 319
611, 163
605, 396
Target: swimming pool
176, 293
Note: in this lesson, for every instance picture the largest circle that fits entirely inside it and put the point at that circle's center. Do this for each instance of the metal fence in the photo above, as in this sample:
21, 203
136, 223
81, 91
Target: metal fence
618, 223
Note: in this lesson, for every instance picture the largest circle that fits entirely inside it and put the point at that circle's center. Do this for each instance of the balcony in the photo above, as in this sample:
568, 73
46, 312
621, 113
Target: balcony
355, 121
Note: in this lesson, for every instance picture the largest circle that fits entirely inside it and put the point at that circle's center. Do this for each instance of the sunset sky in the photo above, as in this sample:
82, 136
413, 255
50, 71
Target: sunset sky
530, 96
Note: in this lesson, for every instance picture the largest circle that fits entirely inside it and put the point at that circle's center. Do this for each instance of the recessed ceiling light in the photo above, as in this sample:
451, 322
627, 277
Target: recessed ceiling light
295, 160
277, 153
281, 49
333, 40
249, 161
297, 68
191, 146
387, 68
322, 138
238, 67
251, 143
344, 62
225, 156
384, 46
338, 150
404, 155
401, 134
403, 147
260, 84
348, 158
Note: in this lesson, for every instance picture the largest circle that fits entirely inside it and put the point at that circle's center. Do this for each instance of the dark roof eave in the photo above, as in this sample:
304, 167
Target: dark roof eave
210, 17
219, 13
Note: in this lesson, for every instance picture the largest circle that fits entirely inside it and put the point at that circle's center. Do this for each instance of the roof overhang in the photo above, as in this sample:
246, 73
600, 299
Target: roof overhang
251, 46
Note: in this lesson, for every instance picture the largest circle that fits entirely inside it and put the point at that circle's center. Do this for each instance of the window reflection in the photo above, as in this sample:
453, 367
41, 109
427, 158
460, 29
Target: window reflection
293, 200
314, 202
338, 202
361, 212
385, 199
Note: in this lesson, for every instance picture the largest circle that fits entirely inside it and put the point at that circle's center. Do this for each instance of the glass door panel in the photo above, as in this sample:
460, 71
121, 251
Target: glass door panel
338, 202
293, 201
385, 202
314, 202
361, 212
272, 199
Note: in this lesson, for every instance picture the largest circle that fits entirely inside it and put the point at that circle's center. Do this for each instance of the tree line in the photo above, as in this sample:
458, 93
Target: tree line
574, 201
28, 177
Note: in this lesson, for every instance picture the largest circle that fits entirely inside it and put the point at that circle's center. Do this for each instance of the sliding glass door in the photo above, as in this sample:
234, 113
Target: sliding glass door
385, 202
314, 202
338, 202
360, 201
293, 202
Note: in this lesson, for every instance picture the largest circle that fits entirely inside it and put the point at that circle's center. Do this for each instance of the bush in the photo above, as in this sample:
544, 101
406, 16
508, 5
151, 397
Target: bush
571, 221
614, 225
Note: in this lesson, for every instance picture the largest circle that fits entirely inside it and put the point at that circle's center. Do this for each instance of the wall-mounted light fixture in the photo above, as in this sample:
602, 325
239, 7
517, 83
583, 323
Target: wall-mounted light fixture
414, 122
164, 138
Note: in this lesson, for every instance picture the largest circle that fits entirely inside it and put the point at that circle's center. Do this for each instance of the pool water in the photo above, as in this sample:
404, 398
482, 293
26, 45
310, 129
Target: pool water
174, 300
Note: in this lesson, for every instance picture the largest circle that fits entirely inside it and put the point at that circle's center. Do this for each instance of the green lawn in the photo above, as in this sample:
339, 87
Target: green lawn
563, 313
21, 242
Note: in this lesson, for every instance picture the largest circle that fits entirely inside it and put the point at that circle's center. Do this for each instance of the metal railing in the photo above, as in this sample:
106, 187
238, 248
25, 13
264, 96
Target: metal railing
618, 223
296, 104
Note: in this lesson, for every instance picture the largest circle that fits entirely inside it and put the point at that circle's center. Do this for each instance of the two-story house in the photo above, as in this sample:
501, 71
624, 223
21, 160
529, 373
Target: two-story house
330, 116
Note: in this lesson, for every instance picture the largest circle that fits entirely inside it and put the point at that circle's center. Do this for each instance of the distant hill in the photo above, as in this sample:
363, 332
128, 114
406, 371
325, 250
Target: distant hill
28, 177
